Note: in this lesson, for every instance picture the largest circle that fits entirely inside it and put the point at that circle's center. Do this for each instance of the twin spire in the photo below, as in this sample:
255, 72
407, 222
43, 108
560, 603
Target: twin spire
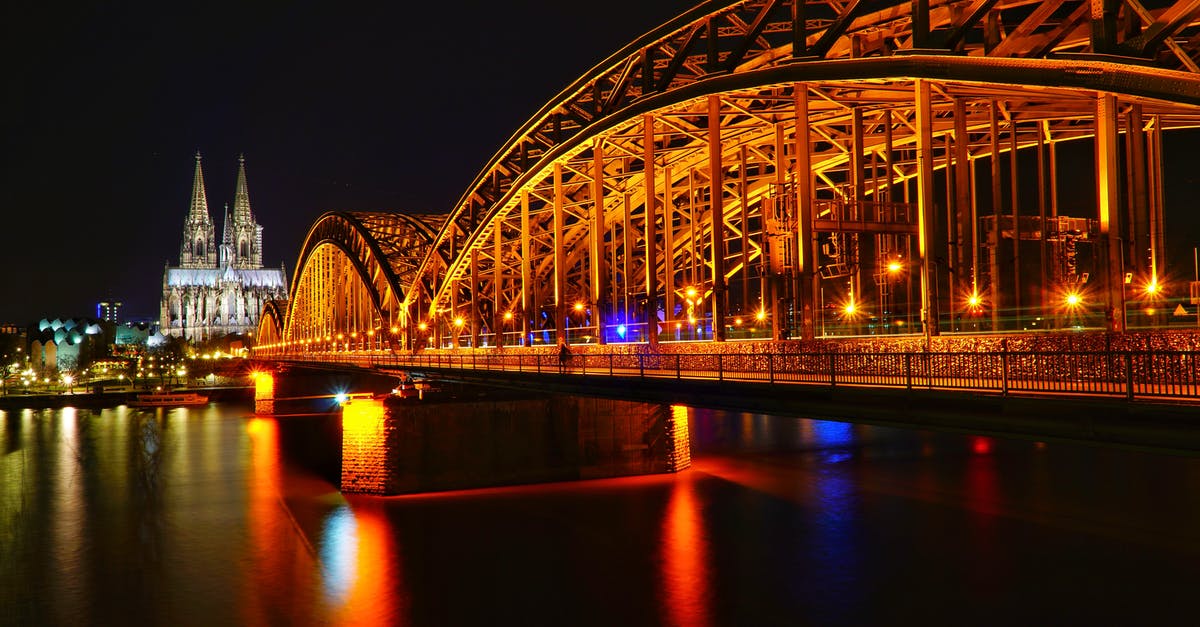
241, 242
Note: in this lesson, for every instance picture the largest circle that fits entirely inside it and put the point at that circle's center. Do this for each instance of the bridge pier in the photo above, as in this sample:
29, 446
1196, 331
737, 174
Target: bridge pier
411, 447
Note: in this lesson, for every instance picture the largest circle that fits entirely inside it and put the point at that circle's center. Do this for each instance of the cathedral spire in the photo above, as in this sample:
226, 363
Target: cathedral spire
227, 240
197, 249
199, 210
241, 195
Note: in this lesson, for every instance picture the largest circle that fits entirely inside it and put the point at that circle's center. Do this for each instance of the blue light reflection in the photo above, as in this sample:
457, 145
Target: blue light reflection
339, 553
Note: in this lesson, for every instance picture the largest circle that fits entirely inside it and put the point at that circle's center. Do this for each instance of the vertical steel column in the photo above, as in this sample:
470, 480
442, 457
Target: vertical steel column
651, 225
974, 229
616, 300
772, 284
1108, 206
889, 181
925, 208
560, 260
799, 31
627, 255
453, 291
598, 273
1157, 202
1052, 169
952, 268
743, 186
961, 229
716, 225
997, 201
1043, 257
857, 195
1135, 140
1016, 218
669, 286
498, 322
475, 296
526, 270
806, 257
920, 24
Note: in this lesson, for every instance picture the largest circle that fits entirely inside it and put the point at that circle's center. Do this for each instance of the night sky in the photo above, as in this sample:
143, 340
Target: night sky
337, 106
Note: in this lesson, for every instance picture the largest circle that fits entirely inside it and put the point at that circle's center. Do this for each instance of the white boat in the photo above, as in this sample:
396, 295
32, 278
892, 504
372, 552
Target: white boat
169, 399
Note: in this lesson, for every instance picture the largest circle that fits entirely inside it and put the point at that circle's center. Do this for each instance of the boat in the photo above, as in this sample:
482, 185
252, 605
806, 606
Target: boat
169, 399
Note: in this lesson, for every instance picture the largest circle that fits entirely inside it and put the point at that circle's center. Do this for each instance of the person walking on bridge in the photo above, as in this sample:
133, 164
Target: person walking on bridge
564, 356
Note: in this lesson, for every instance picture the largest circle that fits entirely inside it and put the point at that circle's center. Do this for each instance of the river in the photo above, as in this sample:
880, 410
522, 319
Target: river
202, 516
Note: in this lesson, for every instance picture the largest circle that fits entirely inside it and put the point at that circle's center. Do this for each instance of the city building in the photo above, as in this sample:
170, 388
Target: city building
218, 290
67, 344
108, 310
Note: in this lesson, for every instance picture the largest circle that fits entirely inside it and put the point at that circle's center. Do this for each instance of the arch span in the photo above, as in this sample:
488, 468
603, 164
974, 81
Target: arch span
351, 277
778, 168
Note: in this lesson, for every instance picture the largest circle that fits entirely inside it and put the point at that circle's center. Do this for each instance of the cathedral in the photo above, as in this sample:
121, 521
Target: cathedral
218, 290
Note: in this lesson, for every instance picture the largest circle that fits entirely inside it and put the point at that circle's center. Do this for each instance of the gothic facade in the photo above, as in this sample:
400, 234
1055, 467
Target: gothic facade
219, 289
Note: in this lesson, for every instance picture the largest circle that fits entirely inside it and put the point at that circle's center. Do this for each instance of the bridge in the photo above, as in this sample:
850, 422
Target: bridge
956, 194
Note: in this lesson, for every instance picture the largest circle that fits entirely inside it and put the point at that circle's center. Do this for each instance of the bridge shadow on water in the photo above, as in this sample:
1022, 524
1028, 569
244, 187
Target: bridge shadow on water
462, 436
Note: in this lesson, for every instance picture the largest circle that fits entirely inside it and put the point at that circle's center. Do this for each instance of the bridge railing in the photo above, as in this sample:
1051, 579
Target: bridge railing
1167, 374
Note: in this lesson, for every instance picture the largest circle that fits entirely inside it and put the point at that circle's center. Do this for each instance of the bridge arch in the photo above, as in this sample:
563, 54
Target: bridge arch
271, 323
351, 277
835, 138
758, 168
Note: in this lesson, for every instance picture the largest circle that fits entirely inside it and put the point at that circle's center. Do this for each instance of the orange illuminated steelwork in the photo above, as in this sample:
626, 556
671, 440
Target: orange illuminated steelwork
703, 159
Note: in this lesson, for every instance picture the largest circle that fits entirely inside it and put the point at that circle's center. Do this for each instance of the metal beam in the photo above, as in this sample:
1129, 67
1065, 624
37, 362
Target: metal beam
925, 208
650, 230
716, 225
1108, 208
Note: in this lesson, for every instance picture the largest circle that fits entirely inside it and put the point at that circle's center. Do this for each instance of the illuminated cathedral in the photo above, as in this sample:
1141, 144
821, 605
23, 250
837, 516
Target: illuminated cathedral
217, 290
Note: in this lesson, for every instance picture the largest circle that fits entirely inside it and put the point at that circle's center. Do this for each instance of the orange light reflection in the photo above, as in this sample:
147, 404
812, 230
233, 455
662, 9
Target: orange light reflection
686, 577
359, 548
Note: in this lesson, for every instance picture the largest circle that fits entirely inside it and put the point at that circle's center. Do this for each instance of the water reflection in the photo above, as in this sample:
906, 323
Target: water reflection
201, 516
685, 557
361, 562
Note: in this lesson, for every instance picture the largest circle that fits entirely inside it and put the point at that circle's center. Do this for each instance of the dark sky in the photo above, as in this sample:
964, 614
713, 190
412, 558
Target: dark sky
337, 106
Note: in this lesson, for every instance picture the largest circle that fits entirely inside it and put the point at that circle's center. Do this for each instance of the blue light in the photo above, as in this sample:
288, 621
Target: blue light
339, 553
341, 397
621, 330
829, 433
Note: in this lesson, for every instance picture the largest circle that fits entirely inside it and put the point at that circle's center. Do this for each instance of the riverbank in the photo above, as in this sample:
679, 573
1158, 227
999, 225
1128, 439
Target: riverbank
113, 398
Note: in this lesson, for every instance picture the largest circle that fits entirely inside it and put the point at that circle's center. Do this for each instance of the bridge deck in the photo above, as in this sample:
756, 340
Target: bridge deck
1146, 375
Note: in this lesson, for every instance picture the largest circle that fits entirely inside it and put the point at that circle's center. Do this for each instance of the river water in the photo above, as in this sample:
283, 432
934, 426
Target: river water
200, 517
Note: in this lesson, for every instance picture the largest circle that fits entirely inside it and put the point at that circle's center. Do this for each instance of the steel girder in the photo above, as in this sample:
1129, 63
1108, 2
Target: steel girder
353, 273
531, 211
271, 322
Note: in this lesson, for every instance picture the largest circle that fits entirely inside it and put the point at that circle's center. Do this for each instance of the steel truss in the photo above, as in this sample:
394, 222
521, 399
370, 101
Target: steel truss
748, 164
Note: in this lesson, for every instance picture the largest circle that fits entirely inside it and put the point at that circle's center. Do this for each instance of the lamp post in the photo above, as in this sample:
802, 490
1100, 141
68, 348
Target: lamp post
893, 270
579, 309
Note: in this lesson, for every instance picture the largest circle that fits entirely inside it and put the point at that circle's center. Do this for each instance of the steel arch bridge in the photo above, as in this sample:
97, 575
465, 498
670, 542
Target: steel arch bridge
747, 166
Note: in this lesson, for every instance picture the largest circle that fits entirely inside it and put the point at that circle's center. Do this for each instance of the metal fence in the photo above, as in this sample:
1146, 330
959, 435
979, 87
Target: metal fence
1131, 374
